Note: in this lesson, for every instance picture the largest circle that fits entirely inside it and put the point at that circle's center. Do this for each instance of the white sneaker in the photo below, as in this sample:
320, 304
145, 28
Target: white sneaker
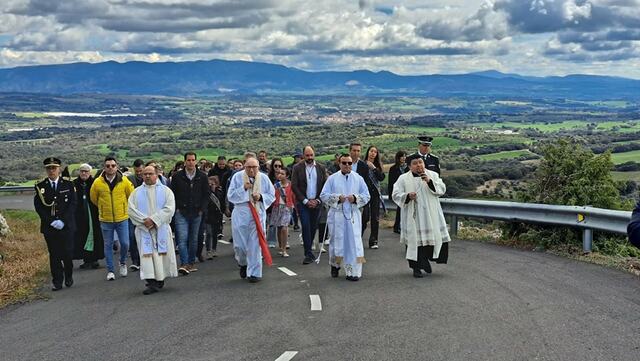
313, 246
300, 238
111, 276
123, 270
285, 254
272, 246
323, 250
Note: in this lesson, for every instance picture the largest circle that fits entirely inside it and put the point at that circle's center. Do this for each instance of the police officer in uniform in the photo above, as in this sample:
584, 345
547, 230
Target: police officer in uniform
55, 202
431, 162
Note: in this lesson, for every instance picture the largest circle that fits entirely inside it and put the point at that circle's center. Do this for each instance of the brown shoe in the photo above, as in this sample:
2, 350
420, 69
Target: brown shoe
184, 270
192, 268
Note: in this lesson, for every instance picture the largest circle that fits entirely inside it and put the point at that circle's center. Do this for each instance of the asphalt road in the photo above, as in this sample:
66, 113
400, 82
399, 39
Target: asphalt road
488, 303
17, 201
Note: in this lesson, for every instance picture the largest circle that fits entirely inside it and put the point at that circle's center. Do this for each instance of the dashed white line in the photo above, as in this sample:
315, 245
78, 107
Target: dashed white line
316, 304
223, 241
287, 271
287, 355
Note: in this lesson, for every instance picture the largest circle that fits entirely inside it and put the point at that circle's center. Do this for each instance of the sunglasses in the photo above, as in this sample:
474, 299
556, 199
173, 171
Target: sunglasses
110, 165
346, 163
277, 166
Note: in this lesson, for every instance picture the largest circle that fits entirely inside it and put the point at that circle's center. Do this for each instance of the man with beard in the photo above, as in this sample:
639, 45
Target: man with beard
88, 244
307, 180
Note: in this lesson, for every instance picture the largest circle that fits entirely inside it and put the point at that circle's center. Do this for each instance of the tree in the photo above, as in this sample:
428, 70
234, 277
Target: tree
570, 174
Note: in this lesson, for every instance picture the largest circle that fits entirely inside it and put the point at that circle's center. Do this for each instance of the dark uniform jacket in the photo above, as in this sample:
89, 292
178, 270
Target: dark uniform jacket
58, 205
633, 229
431, 162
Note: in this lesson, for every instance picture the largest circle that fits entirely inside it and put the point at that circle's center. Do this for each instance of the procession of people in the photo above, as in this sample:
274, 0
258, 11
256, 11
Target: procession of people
184, 212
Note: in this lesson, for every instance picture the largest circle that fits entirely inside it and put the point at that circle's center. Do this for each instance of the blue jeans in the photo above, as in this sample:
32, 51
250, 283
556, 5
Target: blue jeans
309, 223
187, 227
122, 228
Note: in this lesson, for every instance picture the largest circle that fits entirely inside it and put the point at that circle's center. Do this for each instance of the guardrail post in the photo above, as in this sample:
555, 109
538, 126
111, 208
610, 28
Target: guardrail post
454, 227
587, 239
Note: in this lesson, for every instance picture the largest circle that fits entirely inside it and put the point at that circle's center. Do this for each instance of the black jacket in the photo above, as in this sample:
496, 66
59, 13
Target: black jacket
192, 195
363, 170
60, 205
633, 229
394, 173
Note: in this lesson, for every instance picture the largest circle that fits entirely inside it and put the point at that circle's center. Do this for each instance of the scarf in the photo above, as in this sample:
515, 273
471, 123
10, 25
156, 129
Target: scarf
262, 240
164, 231
88, 245
256, 186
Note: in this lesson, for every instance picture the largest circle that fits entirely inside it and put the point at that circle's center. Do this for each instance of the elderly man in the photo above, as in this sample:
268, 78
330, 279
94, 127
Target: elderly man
55, 203
422, 225
251, 193
89, 245
345, 193
151, 208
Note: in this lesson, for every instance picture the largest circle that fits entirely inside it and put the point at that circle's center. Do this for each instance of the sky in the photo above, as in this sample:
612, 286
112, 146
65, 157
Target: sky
528, 37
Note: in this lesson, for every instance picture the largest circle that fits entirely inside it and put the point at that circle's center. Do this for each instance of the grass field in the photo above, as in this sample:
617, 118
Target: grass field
510, 154
625, 176
629, 126
619, 158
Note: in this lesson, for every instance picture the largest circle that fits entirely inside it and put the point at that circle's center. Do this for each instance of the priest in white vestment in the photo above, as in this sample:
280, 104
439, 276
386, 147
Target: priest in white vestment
422, 224
151, 208
249, 186
345, 193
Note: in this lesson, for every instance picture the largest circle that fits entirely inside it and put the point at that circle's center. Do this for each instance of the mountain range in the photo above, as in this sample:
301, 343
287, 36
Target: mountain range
220, 77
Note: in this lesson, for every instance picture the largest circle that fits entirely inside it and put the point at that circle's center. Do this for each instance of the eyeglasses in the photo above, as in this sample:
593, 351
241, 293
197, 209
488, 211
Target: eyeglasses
251, 166
346, 163
277, 166
110, 165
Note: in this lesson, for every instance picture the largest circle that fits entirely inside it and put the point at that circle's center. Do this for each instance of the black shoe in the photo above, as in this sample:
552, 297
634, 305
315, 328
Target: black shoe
335, 271
296, 228
427, 267
373, 244
56, 287
417, 273
200, 258
68, 281
254, 279
308, 260
95, 265
243, 272
160, 284
353, 278
396, 231
85, 265
150, 290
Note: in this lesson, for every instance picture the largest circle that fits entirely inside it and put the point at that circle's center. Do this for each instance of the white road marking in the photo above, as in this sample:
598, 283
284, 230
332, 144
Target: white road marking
316, 304
287, 271
223, 241
287, 355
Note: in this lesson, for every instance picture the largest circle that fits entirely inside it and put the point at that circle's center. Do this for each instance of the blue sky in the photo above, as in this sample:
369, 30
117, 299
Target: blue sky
530, 37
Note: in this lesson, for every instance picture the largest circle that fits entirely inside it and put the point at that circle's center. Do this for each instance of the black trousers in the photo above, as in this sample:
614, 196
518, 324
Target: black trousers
425, 254
371, 212
396, 224
60, 246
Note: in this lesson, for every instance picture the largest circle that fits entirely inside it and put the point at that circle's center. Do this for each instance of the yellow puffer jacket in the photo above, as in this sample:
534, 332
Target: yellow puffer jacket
112, 204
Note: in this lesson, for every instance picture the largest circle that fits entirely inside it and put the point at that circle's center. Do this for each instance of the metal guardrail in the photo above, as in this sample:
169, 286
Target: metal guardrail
16, 189
586, 218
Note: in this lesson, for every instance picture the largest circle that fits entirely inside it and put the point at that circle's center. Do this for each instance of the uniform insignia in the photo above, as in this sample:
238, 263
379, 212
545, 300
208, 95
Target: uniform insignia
42, 190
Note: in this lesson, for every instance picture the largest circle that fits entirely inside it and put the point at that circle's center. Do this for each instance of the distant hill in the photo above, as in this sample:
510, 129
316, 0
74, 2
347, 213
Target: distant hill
217, 77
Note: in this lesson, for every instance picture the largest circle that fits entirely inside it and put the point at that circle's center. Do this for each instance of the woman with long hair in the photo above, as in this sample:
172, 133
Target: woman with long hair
275, 166
376, 175
397, 169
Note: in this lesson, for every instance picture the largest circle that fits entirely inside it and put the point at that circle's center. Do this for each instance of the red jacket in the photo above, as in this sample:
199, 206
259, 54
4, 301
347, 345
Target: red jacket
290, 197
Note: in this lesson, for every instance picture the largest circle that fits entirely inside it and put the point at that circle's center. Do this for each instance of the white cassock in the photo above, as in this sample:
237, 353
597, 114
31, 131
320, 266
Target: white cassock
344, 221
245, 234
422, 221
157, 254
